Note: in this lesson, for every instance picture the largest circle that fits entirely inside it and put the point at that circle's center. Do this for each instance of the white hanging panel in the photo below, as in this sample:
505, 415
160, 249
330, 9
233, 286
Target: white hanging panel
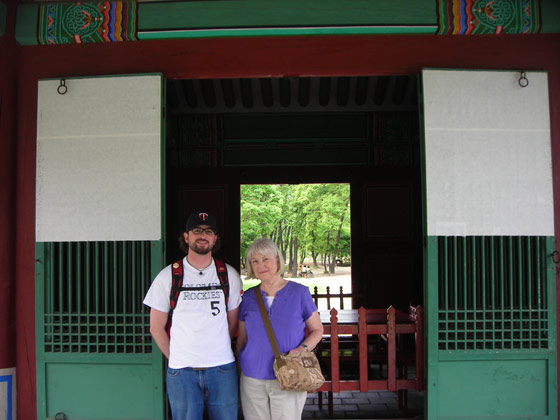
99, 159
487, 153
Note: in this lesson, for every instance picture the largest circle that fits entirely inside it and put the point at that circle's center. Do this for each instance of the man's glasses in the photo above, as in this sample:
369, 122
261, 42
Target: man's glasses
200, 231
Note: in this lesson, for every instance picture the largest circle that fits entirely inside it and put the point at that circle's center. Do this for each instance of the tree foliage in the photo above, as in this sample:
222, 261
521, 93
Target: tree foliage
305, 221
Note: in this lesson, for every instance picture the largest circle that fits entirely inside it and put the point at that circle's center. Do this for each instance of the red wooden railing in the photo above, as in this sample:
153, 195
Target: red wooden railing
328, 296
390, 324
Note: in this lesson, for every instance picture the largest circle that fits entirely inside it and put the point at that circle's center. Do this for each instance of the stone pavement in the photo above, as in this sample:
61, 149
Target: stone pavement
364, 405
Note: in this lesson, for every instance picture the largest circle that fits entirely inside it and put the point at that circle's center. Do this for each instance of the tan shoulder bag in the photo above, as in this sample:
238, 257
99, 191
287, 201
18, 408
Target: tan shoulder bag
295, 372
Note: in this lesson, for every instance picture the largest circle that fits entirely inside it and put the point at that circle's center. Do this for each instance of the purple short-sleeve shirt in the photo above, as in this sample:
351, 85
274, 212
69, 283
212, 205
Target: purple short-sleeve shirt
292, 306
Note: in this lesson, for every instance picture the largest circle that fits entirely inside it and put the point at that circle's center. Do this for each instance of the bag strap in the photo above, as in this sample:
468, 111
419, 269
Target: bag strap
177, 285
221, 270
268, 327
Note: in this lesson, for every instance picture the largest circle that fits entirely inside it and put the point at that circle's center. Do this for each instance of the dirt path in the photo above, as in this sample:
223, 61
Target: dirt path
339, 271
341, 278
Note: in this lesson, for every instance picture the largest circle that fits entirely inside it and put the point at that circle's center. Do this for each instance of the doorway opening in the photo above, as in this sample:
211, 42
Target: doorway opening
363, 131
226, 135
310, 223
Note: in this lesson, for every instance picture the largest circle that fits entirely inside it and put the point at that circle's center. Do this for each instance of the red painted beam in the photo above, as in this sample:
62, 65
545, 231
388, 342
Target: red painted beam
294, 56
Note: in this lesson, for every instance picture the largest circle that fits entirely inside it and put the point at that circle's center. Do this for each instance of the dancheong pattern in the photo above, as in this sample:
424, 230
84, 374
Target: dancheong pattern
473, 17
69, 23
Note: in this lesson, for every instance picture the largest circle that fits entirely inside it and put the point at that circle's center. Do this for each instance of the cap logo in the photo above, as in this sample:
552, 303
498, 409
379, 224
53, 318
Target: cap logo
203, 216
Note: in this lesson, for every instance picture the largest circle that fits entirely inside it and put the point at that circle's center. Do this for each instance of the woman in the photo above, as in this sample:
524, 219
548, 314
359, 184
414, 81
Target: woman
291, 309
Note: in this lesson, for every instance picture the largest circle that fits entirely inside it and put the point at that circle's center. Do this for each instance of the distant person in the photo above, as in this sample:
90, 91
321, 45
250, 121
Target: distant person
291, 310
202, 370
304, 271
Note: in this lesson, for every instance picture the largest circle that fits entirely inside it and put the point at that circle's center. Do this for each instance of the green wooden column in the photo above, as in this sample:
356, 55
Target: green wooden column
3, 14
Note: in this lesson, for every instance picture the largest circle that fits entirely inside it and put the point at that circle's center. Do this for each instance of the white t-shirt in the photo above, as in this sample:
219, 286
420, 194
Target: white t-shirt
199, 330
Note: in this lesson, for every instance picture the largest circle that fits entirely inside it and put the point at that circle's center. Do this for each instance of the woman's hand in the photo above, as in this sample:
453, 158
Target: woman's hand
315, 334
297, 350
241, 338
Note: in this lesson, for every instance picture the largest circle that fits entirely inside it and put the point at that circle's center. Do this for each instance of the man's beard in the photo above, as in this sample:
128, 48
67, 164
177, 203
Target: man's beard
202, 251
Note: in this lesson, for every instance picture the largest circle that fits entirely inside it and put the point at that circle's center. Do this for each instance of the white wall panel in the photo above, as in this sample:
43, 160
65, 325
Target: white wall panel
488, 157
99, 160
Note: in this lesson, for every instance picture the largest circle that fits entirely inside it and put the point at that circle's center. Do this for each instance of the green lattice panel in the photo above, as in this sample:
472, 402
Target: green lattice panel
492, 293
93, 297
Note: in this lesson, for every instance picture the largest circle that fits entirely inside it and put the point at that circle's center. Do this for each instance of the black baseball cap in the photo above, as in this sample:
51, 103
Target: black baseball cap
200, 218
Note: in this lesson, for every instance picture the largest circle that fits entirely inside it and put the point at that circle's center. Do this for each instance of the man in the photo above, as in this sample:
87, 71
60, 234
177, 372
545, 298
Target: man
202, 369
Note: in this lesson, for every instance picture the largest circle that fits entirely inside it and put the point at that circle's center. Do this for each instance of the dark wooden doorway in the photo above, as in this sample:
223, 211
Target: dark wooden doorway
209, 156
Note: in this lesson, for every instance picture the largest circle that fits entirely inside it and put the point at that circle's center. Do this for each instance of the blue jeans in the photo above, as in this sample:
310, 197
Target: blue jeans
190, 389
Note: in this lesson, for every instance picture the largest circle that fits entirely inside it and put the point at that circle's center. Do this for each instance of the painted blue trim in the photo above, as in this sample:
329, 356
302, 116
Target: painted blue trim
8, 379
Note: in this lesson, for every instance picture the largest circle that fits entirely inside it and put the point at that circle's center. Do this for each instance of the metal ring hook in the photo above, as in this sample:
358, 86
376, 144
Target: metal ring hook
523, 81
556, 257
62, 88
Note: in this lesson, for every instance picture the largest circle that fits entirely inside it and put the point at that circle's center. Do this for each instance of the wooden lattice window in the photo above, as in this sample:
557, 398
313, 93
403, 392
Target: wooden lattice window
492, 293
93, 296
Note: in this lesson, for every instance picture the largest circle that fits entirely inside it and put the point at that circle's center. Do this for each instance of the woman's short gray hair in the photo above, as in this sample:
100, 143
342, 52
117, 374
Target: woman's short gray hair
264, 246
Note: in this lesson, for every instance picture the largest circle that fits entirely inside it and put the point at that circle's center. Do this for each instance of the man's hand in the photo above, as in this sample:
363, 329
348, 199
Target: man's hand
158, 322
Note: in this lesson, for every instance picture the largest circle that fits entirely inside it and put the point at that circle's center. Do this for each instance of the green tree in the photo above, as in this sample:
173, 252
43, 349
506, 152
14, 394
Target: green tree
329, 217
261, 213
303, 219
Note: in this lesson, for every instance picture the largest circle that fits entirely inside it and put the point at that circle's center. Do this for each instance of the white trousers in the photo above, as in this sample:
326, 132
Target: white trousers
264, 400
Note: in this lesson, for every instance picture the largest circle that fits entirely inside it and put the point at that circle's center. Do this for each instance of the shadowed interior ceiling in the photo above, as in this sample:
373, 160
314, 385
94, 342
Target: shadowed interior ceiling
293, 94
